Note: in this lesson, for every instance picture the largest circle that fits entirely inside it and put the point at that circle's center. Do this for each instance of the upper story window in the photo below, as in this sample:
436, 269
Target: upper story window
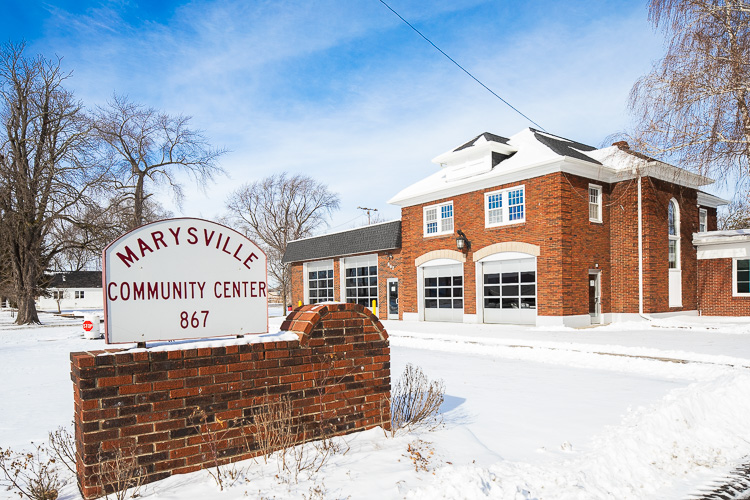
702, 220
507, 206
673, 223
79, 294
438, 219
595, 203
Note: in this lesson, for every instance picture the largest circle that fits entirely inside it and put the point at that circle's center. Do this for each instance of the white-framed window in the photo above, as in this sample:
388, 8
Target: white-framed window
438, 219
673, 223
506, 206
57, 294
595, 203
361, 280
319, 281
79, 294
741, 277
702, 220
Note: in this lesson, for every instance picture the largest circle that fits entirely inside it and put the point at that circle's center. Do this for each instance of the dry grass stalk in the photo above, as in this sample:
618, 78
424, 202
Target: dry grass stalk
416, 400
63, 446
33, 475
117, 472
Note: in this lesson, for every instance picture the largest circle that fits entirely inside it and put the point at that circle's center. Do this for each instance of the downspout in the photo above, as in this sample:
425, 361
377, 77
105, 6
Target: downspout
640, 253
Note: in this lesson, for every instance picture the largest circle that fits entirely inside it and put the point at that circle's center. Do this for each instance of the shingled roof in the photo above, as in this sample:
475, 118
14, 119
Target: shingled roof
487, 136
374, 238
77, 279
564, 147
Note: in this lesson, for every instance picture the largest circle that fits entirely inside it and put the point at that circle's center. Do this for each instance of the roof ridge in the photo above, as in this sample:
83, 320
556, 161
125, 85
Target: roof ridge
346, 230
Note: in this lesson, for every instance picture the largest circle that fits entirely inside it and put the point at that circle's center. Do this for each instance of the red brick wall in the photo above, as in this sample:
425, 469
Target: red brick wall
337, 377
715, 290
390, 265
298, 291
623, 230
656, 197
585, 245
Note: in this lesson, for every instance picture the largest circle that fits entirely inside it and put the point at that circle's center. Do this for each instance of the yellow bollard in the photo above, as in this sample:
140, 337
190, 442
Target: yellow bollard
374, 307
299, 303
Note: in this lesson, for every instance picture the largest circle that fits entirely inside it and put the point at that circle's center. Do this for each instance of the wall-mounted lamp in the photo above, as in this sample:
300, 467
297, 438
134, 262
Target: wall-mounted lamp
462, 243
390, 256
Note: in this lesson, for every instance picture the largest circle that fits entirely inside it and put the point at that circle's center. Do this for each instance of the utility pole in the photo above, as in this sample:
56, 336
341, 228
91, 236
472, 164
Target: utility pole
368, 210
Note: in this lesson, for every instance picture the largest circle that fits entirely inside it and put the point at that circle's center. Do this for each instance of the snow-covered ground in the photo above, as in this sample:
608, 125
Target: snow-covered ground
636, 410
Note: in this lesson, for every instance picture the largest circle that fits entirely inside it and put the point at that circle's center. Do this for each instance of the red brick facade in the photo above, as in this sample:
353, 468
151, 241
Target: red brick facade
336, 376
557, 221
715, 289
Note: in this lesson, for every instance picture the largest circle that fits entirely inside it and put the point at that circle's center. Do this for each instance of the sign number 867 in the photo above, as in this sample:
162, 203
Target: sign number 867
187, 321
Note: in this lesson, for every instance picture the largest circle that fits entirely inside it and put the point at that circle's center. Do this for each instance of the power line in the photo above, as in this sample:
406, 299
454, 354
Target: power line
461, 67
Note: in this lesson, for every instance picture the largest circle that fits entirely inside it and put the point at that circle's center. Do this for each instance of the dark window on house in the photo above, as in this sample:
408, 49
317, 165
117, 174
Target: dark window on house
742, 276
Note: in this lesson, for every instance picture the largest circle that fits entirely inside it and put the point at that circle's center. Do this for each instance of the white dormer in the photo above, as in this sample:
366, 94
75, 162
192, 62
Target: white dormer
475, 157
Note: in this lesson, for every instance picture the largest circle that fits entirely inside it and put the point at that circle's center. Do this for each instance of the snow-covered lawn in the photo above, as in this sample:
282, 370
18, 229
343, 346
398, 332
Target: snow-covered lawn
636, 410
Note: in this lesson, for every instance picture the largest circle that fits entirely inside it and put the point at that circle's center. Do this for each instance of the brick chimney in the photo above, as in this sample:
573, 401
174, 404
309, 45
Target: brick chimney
623, 145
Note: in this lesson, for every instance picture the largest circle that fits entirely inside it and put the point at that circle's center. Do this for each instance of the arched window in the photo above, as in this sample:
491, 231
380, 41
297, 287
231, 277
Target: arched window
674, 234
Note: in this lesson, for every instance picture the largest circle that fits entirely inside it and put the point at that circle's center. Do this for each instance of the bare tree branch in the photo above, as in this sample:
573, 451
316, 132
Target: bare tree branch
279, 209
147, 145
692, 108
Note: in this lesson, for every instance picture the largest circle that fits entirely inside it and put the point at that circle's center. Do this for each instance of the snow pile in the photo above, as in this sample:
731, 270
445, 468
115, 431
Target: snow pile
649, 455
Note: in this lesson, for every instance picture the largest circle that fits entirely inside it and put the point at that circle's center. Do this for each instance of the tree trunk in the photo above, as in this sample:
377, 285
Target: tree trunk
25, 295
138, 201
27, 309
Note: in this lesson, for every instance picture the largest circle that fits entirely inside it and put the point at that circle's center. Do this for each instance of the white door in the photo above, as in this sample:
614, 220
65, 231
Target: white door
443, 288
509, 291
595, 303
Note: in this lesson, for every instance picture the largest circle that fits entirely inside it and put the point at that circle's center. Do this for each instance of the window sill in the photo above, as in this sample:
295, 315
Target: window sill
507, 224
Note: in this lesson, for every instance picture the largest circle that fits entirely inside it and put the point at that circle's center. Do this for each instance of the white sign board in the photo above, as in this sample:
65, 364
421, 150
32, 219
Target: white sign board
183, 279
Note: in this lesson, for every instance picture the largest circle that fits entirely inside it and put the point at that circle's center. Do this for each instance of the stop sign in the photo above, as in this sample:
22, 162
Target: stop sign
88, 325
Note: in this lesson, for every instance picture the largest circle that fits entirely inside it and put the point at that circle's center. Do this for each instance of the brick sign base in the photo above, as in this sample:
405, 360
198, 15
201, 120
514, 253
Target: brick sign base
336, 376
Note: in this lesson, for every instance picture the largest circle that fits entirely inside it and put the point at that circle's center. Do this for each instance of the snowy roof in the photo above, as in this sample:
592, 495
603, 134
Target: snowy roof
77, 279
718, 237
489, 160
372, 238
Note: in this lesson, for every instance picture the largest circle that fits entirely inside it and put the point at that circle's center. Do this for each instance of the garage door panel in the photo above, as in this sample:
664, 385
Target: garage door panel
443, 293
510, 291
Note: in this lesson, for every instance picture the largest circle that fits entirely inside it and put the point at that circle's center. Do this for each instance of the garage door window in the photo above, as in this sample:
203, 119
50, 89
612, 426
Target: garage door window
319, 282
445, 292
510, 290
361, 280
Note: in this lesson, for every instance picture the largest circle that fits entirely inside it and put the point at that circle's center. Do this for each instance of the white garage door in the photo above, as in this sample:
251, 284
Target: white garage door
444, 293
510, 291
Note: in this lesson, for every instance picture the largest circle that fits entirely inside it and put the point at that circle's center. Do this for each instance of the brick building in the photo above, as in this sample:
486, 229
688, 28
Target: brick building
531, 229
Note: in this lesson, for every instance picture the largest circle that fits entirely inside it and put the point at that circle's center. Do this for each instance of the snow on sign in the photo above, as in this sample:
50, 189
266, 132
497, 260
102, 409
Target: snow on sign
182, 279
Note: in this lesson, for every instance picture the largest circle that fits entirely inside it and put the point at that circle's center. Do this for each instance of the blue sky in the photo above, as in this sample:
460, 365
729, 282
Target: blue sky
341, 89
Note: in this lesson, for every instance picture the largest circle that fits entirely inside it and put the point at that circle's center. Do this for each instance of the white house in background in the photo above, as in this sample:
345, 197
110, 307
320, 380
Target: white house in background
73, 290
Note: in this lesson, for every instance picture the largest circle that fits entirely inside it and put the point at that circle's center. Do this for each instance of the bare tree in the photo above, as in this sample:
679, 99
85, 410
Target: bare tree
46, 167
95, 226
692, 108
279, 209
148, 145
736, 215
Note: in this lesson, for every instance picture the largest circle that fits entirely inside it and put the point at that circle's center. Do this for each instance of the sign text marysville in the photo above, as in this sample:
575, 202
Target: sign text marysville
183, 278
